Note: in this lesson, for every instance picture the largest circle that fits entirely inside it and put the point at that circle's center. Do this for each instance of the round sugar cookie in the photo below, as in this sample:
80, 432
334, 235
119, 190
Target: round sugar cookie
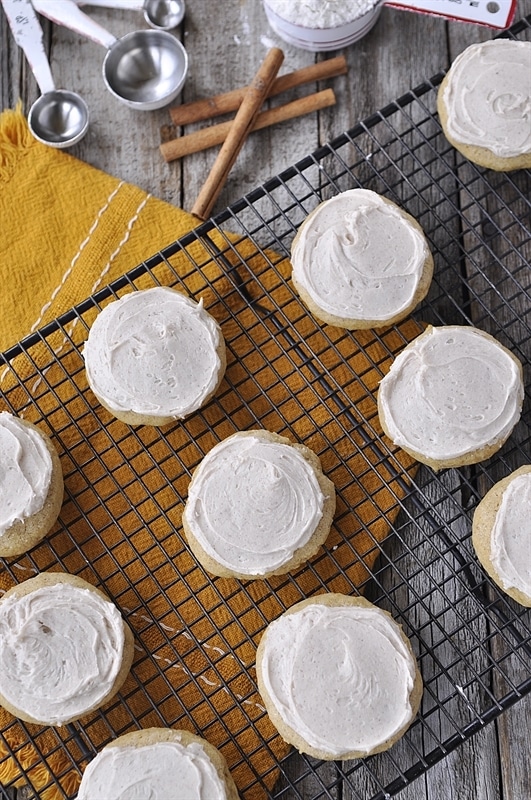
158, 763
154, 356
452, 396
359, 261
258, 505
338, 677
501, 534
484, 104
74, 646
31, 485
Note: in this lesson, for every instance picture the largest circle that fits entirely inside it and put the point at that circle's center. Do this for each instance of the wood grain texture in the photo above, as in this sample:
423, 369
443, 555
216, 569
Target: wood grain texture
225, 50
227, 102
240, 127
213, 135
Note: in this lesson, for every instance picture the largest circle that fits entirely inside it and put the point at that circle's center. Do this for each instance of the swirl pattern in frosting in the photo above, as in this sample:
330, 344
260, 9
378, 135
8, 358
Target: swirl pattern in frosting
155, 771
358, 256
339, 676
61, 651
451, 392
25, 471
511, 536
487, 97
154, 352
253, 502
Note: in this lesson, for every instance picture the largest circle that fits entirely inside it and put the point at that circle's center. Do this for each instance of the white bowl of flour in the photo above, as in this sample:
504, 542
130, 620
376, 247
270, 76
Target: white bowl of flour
321, 25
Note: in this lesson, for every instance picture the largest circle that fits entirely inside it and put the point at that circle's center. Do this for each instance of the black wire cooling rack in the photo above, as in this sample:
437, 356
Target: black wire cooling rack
473, 643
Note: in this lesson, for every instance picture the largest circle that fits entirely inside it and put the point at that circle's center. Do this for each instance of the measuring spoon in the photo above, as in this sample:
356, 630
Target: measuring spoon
163, 15
144, 69
58, 118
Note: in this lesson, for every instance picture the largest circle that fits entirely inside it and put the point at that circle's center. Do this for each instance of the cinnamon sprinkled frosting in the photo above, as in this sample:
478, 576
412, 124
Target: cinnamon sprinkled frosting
340, 677
61, 652
154, 352
253, 502
359, 256
488, 97
156, 771
25, 471
451, 392
511, 536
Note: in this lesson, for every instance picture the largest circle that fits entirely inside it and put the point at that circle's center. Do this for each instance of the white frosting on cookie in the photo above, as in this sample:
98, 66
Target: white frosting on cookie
61, 651
253, 502
511, 536
155, 771
359, 257
488, 97
25, 471
452, 391
154, 352
340, 677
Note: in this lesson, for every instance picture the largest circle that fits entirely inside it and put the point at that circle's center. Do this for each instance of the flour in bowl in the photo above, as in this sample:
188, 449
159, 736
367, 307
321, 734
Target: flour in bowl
319, 14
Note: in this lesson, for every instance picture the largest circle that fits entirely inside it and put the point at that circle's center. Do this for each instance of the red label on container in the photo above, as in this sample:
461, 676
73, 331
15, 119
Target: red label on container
494, 13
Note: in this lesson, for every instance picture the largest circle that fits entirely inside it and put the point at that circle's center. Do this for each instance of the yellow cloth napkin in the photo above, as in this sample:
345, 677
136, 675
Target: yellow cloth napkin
66, 230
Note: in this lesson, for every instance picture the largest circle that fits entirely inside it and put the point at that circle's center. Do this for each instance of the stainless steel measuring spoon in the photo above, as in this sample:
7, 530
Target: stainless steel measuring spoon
58, 118
144, 69
163, 15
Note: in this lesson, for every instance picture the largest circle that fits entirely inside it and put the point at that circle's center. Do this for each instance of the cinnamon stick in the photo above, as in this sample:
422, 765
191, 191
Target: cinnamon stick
241, 125
216, 134
199, 110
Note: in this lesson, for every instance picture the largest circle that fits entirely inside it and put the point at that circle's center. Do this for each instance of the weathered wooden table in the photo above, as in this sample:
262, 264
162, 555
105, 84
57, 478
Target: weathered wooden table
226, 42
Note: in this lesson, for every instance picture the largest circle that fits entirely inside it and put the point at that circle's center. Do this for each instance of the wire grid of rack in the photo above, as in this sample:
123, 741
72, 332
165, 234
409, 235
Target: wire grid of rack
473, 643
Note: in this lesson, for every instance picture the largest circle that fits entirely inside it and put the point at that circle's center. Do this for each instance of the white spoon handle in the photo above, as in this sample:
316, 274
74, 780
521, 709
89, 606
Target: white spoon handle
28, 35
66, 13
127, 5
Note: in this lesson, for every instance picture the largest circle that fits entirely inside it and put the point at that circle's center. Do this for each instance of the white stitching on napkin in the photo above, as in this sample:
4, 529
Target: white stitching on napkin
104, 271
182, 632
201, 677
82, 246
121, 244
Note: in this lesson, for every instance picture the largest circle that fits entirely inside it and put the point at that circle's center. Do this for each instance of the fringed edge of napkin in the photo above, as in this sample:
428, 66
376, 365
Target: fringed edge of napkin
15, 140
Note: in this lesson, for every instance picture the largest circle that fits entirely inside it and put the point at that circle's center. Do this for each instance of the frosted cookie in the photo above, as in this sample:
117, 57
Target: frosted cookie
65, 649
360, 261
154, 356
31, 485
257, 505
452, 396
484, 104
338, 677
158, 763
501, 534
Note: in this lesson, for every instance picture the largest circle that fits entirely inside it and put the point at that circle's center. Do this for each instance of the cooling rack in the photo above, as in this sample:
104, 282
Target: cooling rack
401, 535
